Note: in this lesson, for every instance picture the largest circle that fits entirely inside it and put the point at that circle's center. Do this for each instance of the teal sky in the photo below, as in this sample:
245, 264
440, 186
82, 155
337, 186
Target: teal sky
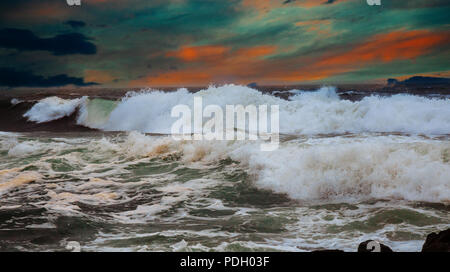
118, 43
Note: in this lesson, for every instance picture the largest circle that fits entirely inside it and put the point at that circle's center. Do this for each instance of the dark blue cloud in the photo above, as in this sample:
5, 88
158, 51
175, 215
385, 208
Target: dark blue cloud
13, 78
63, 44
75, 24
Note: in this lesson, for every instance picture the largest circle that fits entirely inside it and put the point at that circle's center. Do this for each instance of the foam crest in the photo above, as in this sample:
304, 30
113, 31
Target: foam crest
53, 108
347, 170
316, 112
306, 112
328, 169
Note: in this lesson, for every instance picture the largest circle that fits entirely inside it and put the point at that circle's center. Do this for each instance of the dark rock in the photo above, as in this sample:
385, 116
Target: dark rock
365, 247
437, 242
417, 80
252, 85
392, 81
421, 80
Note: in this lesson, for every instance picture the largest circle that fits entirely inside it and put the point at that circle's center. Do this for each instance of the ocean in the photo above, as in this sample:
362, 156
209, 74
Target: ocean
103, 171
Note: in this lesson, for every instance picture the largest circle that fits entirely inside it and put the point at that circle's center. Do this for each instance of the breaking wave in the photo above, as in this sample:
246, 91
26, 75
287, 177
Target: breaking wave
324, 169
318, 112
327, 169
52, 108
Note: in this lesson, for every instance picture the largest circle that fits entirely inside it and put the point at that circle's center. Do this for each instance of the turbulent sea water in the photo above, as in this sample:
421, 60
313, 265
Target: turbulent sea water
345, 171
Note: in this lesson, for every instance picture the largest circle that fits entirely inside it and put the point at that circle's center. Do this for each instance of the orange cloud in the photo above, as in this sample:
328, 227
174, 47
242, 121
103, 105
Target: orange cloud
397, 45
220, 54
195, 53
215, 63
218, 64
319, 26
392, 46
98, 76
260, 6
254, 52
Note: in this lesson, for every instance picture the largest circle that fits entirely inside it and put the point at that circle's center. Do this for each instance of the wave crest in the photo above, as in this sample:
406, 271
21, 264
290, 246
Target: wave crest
319, 112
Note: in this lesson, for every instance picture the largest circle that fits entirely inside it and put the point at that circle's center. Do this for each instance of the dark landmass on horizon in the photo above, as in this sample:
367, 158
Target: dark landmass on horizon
419, 80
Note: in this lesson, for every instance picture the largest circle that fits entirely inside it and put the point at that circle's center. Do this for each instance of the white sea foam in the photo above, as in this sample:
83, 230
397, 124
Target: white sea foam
327, 169
25, 149
306, 112
142, 180
15, 101
53, 108
341, 169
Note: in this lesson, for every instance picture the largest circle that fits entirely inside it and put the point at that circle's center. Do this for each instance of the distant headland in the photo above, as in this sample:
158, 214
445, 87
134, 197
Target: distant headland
418, 80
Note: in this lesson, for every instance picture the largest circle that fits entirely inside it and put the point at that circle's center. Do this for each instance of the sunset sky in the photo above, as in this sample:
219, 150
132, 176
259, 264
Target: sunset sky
119, 43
